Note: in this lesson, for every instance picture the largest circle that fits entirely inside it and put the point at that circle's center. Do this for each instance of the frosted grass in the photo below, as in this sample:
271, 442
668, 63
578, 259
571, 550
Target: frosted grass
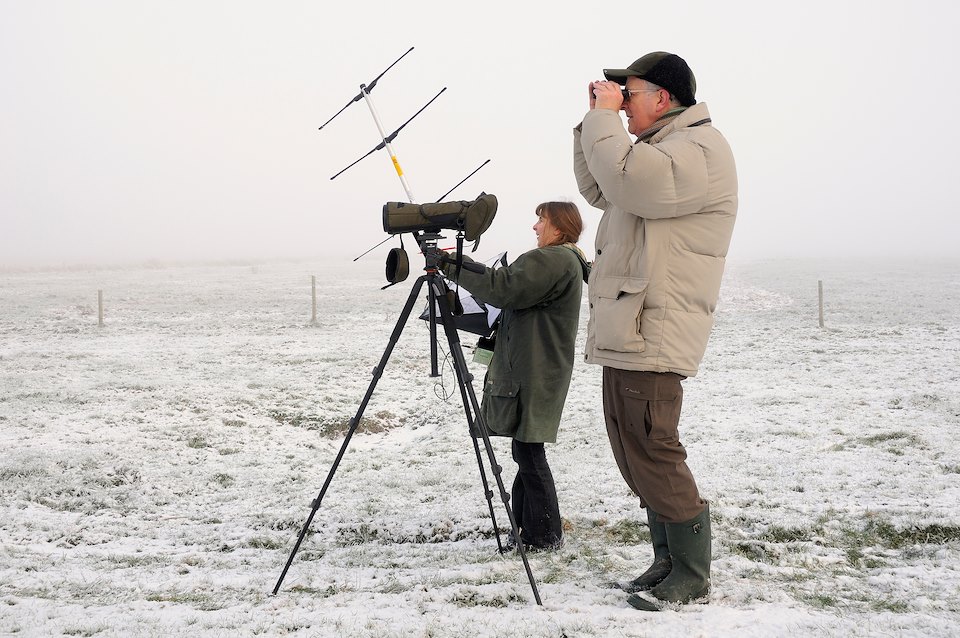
156, 471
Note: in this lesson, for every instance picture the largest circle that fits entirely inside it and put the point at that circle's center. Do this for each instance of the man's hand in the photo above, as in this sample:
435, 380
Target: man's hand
605, 95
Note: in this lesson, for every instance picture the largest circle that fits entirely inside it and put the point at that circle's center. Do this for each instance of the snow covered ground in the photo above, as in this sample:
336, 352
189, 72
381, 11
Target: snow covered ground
155, 472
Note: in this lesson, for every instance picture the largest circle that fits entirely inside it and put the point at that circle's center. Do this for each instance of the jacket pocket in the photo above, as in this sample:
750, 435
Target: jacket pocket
501, 406
652, 405
617, 308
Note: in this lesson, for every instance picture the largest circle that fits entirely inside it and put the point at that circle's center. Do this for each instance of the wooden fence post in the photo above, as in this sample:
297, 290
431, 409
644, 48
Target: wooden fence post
820, 304
313, 294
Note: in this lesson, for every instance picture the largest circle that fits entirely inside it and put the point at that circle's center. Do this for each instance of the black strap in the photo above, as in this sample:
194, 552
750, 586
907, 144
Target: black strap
705, 120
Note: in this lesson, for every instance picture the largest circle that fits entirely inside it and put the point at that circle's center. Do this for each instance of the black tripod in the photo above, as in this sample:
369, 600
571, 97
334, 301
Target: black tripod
437, 297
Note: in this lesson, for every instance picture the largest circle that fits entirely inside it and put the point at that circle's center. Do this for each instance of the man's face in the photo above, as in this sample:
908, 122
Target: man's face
642, 108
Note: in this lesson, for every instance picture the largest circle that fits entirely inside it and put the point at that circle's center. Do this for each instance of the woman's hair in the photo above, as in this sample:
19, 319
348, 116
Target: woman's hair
565, 217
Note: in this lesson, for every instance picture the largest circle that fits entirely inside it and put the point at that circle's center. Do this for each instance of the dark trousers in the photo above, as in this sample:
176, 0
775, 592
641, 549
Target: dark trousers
642, 411
534, 496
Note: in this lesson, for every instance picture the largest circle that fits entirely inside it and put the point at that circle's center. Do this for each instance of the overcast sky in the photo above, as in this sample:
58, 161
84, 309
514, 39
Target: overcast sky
135, 130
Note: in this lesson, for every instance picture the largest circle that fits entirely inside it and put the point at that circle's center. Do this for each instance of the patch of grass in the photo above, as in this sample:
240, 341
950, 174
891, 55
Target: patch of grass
193, 598
30, 395
821, 601
66, 498
394, 586
337, 426
553, 573
305, 555
590, 557
895, 606
83, 631
898, 440
197, 441
134, 560
36, 592
799, 576
752, 550
777, 534
900, 437
887, 535
628, 532
358, 535
325, 592
19, 472
121, 476
775, 542
473, 598
857, 558
224, 480
287, 524
913, 542
262, 542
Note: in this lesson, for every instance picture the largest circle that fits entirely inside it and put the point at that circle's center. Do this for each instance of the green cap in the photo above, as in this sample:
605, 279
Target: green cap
663, 69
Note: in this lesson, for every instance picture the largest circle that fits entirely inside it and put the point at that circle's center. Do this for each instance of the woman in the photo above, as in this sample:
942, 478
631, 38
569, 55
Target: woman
526, 384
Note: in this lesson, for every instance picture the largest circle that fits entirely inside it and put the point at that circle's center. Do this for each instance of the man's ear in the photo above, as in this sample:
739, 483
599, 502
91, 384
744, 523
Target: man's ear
663, 103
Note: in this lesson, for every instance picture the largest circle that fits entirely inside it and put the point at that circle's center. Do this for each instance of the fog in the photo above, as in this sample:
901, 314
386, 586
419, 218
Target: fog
172, 131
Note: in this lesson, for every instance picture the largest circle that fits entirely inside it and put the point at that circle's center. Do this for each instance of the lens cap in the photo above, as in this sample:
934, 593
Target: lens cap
398, 266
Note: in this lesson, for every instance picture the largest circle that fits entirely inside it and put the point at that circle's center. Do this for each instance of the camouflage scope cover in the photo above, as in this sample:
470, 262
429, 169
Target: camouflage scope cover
474, 217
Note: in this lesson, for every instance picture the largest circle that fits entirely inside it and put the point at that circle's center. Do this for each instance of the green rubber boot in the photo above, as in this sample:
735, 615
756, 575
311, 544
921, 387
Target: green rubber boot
661, 558
689, 544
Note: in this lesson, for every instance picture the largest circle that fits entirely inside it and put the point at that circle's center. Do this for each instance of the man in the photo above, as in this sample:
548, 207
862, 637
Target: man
669, 203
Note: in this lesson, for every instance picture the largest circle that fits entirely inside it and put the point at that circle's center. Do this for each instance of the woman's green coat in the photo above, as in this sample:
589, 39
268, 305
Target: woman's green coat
527, 381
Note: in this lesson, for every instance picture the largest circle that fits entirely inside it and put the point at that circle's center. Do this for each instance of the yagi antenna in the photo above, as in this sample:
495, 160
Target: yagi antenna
369, 88
390, 138
364, 94
440, 199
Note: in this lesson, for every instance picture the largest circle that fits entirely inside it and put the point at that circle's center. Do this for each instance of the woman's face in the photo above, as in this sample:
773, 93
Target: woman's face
547, 233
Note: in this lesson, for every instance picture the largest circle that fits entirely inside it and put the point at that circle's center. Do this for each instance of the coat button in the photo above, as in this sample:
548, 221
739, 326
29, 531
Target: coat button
599, 251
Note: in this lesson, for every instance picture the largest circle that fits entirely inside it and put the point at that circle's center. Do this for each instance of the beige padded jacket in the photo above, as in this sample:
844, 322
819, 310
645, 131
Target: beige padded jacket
669, 208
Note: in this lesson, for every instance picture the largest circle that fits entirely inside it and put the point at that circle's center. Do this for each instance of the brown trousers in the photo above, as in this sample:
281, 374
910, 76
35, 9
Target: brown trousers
642, 411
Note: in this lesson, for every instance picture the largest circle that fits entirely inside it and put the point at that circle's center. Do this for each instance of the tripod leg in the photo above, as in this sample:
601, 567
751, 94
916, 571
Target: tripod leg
377, 372
432, 305
487, 492
464, 378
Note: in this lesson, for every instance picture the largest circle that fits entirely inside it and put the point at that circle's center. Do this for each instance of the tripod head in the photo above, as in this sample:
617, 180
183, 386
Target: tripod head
432, 255
435, 257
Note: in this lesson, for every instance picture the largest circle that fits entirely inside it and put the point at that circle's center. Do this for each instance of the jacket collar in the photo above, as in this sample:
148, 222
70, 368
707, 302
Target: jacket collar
584, 264
690, 116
